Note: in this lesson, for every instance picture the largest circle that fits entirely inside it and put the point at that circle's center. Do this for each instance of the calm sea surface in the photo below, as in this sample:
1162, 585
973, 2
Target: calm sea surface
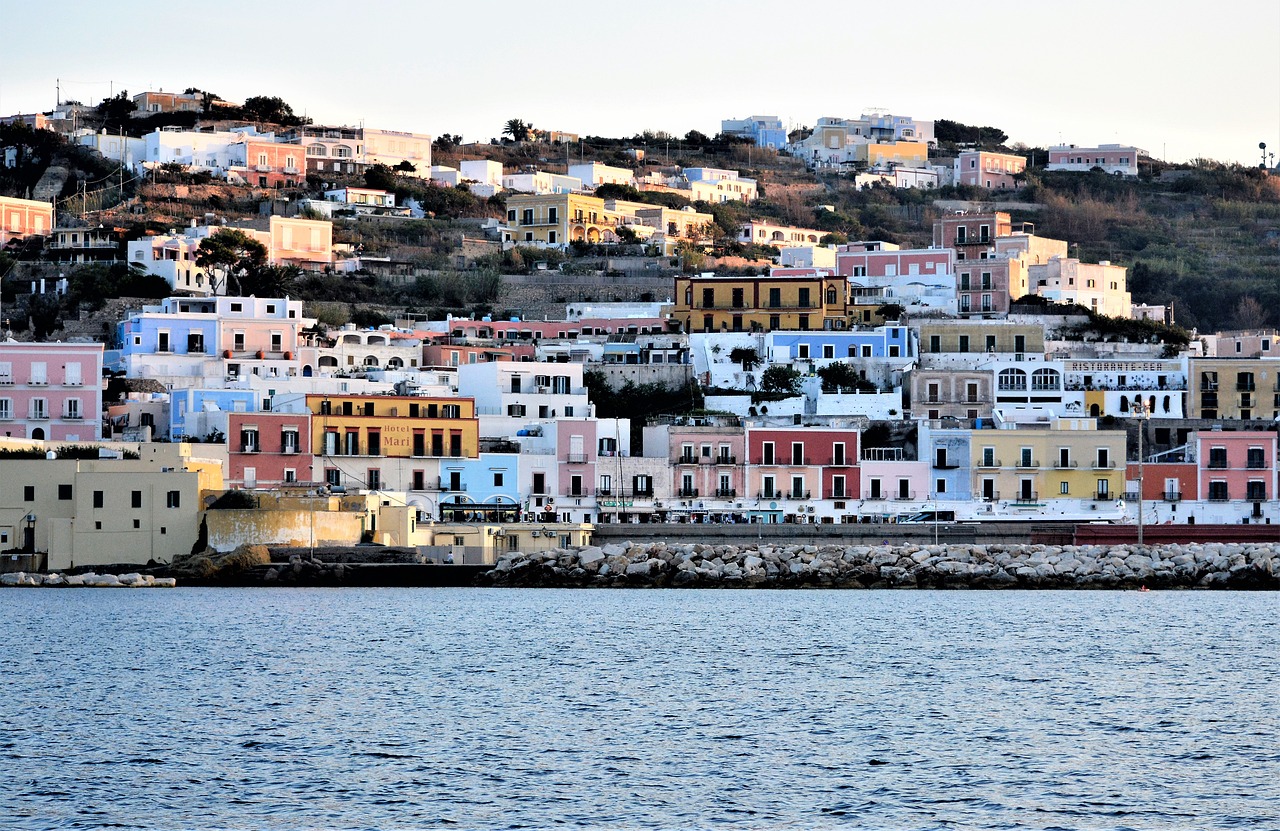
352, 708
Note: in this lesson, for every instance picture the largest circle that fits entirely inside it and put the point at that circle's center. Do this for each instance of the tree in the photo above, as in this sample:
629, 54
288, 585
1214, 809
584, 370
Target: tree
517, 129
380, 177
230, 255
115, 111
1250, 314
446, 143
891, 311
842, 376
780, 379
745, 355
406, 166
271, 109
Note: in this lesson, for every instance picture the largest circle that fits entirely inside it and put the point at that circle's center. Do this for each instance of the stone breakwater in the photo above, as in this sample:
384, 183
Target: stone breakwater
662, 564
88, 580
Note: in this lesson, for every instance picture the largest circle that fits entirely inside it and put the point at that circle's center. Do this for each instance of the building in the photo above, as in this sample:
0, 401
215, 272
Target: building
763, 130
368, 198
1117, 159
1234, 388
126, 150
993, 171
480, 172
83, 245
711, 184
267, 164
593, 174
1031, 464
268, 449
214, 152
407, 152
149, 103
781, 300
21, 218
1102, 288
387, 442
51, 391
881, 154
331, 149
762, 232
83, 512
920, 280
793, 470
541, 183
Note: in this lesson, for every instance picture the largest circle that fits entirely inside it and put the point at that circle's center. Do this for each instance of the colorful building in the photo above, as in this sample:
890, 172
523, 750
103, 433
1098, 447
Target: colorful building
21, 218
781, 300
51, 390
1116, 159
985, 169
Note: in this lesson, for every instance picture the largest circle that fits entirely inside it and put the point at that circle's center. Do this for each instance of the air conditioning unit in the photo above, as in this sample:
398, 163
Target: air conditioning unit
537, 533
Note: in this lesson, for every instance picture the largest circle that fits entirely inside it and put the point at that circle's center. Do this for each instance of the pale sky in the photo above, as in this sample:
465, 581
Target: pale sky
1179, 79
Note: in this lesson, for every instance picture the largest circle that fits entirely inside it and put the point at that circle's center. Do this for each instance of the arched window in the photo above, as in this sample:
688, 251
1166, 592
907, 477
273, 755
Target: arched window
1012, 379
317, 150
1045, 379
831, 296
371, 360
395, 363
1124, 403
342, 152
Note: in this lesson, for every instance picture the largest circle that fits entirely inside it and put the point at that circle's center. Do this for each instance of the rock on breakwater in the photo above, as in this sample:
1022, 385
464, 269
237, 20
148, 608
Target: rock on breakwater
88, 580
696, 565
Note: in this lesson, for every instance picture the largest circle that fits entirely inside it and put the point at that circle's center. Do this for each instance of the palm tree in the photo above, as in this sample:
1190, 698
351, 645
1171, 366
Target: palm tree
517, 129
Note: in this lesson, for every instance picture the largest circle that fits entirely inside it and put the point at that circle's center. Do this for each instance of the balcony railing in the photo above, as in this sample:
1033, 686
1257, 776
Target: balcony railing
72, 416
1102, 496
1061, 465
1219, 497
1256, 464
1171, 496
946, 464
687, 460
798, 494
904, 496
994, 496
687, 493
1100, 464
576, 458
1026, 498
1256, 496
604, 491
1245, 386
1026, 464
721, 460
875, 497
771, 494
1217, 464
990, 463
726, 493
249, 448
442, 485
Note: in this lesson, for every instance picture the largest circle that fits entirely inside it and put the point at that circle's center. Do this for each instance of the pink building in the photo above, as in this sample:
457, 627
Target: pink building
1236, 466
984, 169
1117, 159
268, 164
708, 462
882, 259
268, 449
21, 218
576, 454
51, 391
803, 464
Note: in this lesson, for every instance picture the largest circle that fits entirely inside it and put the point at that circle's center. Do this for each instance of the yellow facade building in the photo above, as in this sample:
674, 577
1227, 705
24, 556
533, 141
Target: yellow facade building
1064, 459
369, 441
711, 303
1246, 389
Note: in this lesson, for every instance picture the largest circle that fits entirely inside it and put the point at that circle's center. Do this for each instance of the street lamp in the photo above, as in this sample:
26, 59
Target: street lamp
1142, 411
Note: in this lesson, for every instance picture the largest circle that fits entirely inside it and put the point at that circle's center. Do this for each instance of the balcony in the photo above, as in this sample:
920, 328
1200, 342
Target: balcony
39, 416
687, 493
1103, 496
1067, 465
1256, 464
726, 493
1171, 496
1100, 464
1245, 386
1256, 496
1026, 498
576, 458
1027, 464
945, 464
904, 496
1219, 496
604, 492
72, 416
994, 496
249, 448
771, 495
448, 487
798, 494
990, 463
875, 497
721, 460
1217, 464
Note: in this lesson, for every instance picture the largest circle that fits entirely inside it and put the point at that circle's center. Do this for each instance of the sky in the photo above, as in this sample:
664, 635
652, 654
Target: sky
1179, 79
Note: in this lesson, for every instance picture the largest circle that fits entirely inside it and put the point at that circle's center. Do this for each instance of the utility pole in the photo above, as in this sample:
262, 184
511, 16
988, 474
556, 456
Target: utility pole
1142, 412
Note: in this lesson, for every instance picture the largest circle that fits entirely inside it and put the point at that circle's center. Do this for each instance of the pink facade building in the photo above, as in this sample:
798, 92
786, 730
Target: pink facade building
881, 259
51, 391
984, 169
803, 464
268, 164
1117, 159
21, 218
1236, 466
268, 449
708, 462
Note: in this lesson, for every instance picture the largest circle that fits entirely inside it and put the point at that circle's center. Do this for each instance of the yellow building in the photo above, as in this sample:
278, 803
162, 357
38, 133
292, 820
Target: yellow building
885, 153
710, 303
560, 218
1064, 459
996, 337
1234, 388
366, 441
71, 512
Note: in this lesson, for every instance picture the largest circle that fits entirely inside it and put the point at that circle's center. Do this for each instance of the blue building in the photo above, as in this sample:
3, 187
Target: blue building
764, 130
490, 481
198, 412
947, 452
881, 342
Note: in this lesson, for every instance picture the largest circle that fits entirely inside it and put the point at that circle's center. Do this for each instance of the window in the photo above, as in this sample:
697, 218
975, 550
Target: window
64, 492
6, 408
767, 453
332, 476
1218, 458
497, 480
135, 500
935, 343
964, 343
837, 453
98, 499
374, 479
775, 298
173, 499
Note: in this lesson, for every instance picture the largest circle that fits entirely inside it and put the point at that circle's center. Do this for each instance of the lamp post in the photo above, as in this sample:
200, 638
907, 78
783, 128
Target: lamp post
1142, 415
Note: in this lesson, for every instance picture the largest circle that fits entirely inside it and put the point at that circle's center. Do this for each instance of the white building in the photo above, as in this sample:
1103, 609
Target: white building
594, 173
542, 183
482, 172
214, 152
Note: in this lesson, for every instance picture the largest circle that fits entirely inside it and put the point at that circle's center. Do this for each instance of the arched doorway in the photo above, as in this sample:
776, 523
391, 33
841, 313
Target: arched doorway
37, 433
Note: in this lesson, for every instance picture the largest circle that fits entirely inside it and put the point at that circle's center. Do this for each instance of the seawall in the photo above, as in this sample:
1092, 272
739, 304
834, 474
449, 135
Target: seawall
908, 565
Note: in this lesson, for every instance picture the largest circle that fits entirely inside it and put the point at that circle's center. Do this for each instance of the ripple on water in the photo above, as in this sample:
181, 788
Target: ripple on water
511, 709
